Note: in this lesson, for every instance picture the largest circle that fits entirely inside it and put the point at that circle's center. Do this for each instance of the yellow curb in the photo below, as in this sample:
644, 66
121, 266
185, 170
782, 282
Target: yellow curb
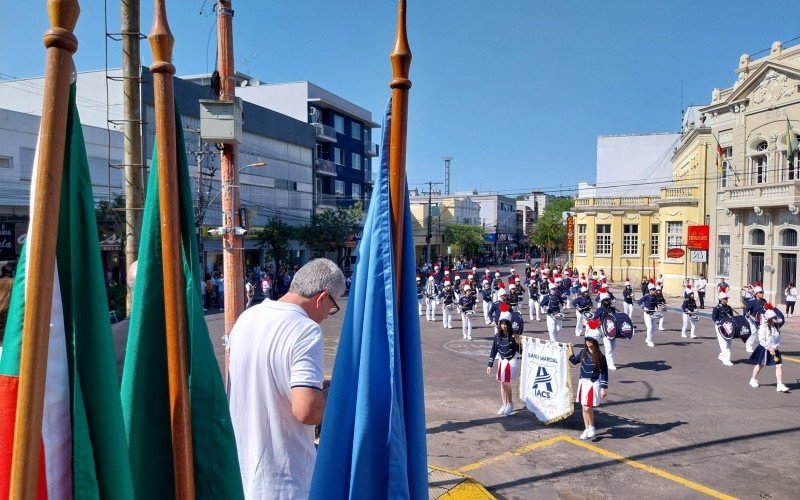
467, 489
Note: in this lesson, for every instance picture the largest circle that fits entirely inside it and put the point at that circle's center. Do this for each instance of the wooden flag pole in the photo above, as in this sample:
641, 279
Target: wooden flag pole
161, 42
401, 64
61, 43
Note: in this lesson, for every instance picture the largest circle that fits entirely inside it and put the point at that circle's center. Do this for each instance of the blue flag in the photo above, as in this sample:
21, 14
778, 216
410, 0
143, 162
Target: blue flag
373, 437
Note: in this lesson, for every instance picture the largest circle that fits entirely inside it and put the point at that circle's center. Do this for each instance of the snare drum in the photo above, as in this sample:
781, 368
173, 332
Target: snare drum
727, 328
661, 307
449, 307
694, 318
557, 315
656, 314
588, 314
469, 312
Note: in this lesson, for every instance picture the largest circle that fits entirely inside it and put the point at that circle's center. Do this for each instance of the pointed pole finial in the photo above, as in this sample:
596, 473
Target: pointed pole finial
161, 41
400, 84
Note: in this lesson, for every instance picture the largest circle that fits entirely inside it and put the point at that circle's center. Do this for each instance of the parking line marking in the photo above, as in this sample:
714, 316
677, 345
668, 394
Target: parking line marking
514, 453
792, 359
649, 468
605, 453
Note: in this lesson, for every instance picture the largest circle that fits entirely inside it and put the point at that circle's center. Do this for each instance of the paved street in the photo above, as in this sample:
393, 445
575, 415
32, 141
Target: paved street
677, 423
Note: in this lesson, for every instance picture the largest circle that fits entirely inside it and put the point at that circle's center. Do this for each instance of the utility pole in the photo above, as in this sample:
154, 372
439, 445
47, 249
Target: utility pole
429, 234
132, 130
447, 160
232, 244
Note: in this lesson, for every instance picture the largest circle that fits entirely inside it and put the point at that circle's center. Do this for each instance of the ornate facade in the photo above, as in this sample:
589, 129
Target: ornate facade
755, 222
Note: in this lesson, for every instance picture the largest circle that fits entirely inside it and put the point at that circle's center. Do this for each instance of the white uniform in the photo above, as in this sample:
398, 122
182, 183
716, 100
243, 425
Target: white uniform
430, 300
610, 345
687, 322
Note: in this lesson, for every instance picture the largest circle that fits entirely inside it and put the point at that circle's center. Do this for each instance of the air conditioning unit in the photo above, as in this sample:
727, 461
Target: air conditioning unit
313, 115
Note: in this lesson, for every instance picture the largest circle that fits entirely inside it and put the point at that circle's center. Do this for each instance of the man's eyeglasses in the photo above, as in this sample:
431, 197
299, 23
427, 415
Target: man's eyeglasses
335, 308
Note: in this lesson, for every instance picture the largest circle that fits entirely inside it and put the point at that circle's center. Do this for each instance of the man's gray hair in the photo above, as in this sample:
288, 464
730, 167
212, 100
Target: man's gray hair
318, 275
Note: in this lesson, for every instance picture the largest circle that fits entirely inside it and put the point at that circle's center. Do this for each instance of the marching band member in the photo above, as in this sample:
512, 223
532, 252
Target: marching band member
767, 353
486, 298
551, 305
717, 314
661, 303
649, 306
420, 293
607, 309
506, 346
495, 309
496, 285
513, 297
593, 381
627, 298
448, 298
467, 306
688, 307
582, 305
752, 309
533, 297
431, 293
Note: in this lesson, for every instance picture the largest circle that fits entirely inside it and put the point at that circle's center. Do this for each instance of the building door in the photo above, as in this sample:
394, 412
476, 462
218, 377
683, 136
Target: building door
788, 262
756, 271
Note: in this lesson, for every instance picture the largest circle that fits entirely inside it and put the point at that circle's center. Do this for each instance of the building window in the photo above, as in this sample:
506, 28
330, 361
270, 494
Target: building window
757, 237
338, 188
338, 124
5, 162
724, 179
355, 130
367, 166
758, 169
284, 184
603, 242
367, 134
791, 171
355, 160
356, 191
630, 239
789, 238
338, 156
582, 239
674, 234
654, 239
723, 254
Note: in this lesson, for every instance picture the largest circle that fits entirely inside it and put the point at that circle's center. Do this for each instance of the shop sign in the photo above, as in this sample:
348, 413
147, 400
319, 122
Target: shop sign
697, 237
7, 242
675, 253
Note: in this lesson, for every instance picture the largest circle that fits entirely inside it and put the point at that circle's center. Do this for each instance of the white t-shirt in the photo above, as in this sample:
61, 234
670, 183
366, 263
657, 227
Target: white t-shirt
275, 346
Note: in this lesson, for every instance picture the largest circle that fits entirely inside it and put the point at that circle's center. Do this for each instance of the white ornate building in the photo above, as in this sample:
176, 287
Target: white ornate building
754, 226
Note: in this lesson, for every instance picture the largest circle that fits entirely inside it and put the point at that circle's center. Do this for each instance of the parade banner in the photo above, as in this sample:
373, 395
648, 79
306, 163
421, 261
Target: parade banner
544, 383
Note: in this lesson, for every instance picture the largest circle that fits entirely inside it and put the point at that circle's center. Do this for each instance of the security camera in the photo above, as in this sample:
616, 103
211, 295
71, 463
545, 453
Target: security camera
238, 231
217, 232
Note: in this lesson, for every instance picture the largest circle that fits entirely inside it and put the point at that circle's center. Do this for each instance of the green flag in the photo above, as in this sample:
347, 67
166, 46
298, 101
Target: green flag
791, 141
145, 391
83, 444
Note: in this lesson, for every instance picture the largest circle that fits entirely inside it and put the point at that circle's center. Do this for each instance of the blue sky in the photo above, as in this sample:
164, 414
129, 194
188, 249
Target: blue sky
517, 91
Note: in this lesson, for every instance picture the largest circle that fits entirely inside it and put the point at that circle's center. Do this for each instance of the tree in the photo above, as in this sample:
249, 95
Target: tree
549, 232
275, 237
468, 239
333, 230
110, 216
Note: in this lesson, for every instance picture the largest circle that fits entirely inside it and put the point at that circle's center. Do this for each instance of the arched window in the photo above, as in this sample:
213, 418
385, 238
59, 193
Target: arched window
760, 146
757, 237
789, 238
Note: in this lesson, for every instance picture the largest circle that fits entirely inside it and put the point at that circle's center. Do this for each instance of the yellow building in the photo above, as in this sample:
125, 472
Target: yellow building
444, 210
629, 236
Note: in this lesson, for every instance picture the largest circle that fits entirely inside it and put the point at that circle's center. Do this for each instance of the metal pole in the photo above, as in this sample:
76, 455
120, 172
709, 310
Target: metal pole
132, 131
232, 244
429, 235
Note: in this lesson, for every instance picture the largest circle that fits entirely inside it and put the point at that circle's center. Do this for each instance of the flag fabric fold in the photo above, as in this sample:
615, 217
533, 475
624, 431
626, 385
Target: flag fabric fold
145, 391
791, 142
720, 158
372, 443
84, 454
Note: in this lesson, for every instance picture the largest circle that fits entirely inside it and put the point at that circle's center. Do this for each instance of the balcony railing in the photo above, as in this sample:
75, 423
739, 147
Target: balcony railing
326, 167
325, 133
326, 200
787, 193
622, 201
370, 149
684, 192
370, 177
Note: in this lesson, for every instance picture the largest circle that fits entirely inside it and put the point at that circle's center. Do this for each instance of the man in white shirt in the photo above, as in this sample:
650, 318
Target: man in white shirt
700, 286
276, 388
